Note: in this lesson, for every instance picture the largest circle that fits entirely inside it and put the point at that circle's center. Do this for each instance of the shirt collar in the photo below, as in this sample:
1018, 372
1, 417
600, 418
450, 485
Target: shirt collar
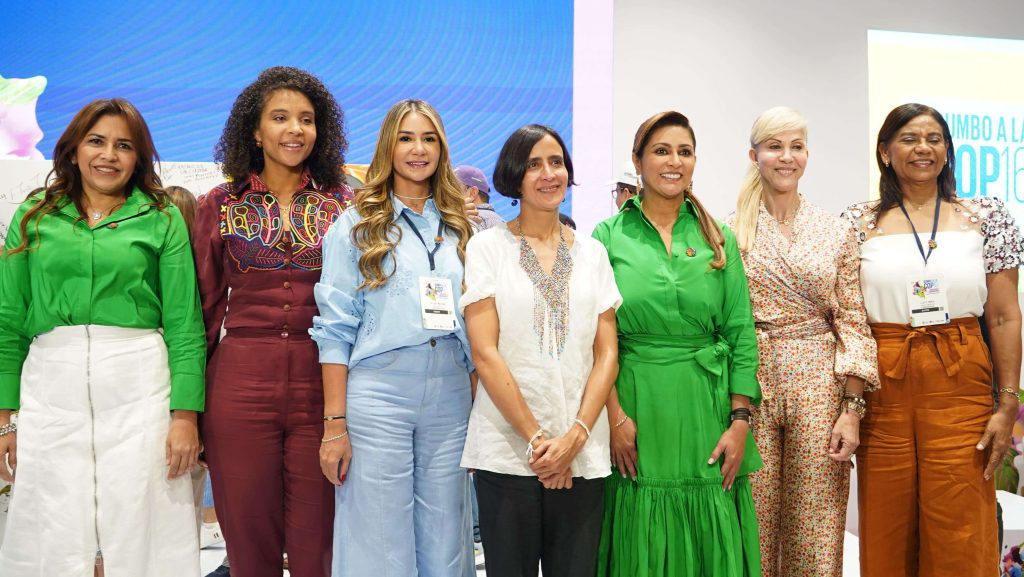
399, 206
636, 202
135, 203
256, 184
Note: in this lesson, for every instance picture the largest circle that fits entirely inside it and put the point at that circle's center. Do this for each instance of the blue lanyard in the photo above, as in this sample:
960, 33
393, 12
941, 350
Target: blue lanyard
437, 239
935, 227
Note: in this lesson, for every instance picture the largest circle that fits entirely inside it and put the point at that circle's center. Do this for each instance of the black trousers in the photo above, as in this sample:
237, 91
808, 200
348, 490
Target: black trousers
523, 525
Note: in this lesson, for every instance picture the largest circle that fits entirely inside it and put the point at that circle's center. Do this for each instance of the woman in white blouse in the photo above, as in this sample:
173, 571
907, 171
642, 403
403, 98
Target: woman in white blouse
540, 310
931, 264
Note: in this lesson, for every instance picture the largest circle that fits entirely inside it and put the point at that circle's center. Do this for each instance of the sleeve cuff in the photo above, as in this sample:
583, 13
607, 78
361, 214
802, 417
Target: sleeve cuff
746, 385
10, 391
334, 352
188, 393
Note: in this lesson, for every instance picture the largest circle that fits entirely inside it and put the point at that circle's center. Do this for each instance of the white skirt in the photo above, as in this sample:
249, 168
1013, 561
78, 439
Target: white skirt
92, 471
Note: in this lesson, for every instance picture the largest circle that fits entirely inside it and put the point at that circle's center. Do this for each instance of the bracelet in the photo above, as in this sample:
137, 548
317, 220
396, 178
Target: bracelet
529, 444
1009, 391
8, 429
857, 407
622, 422
335, 438
334, 417
740, 414
585, 427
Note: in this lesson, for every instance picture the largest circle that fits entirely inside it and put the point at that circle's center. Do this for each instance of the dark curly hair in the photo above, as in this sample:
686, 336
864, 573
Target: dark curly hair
237, 149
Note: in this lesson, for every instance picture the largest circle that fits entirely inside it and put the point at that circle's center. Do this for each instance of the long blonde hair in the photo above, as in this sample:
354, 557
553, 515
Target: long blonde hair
373, 233
772, 122
708, 225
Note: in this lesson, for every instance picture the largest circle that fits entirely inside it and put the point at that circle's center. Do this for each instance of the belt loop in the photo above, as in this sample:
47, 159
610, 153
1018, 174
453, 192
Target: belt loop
963, 333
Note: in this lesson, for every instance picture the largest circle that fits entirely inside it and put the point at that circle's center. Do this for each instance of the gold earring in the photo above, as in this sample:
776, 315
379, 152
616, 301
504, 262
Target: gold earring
689, 187
259, 144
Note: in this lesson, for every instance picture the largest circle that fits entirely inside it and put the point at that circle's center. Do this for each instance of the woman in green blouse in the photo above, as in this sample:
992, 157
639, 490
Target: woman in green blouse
102, 348
679, 412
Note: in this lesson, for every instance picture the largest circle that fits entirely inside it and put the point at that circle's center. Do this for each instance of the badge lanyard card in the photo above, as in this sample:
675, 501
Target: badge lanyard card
926, 294
437, 301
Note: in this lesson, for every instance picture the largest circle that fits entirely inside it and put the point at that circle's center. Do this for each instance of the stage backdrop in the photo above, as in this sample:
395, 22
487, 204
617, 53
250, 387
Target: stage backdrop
488, 67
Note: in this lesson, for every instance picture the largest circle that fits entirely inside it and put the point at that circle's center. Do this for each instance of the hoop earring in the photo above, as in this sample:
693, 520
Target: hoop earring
639, 185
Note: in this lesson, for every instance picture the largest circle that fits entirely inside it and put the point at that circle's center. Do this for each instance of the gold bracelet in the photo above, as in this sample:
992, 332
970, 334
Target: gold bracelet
622, 422
1009, 391
335, 438
859, 409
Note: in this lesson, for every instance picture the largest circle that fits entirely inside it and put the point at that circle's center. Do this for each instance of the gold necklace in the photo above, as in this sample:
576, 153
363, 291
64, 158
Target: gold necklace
413, 197
919, 208
787, 221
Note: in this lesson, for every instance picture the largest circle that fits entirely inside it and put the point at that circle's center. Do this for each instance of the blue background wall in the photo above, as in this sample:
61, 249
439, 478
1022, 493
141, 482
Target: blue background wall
488, 67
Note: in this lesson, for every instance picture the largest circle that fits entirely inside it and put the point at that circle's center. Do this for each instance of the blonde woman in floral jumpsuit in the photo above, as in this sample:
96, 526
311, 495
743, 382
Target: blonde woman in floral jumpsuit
816, 352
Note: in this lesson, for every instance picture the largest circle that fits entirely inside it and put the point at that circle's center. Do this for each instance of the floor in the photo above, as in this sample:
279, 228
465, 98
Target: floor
212, 556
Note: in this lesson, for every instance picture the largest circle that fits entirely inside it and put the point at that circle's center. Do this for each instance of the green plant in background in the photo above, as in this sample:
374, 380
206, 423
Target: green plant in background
1007, 476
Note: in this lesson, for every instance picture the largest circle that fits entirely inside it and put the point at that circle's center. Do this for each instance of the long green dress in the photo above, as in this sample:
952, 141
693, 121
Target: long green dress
686, 342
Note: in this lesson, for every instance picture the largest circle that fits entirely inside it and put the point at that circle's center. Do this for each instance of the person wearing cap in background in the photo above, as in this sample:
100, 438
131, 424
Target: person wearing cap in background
625, 184
479, 193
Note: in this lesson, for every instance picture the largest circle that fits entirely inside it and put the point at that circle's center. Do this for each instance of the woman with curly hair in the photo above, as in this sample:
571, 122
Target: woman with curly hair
101, 345
395, 359
258, 239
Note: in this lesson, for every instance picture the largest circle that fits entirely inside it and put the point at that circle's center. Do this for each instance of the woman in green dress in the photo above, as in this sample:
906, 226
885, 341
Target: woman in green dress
679, 412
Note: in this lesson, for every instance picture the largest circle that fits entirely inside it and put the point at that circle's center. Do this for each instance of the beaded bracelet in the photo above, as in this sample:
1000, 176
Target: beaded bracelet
622, 422
8, 429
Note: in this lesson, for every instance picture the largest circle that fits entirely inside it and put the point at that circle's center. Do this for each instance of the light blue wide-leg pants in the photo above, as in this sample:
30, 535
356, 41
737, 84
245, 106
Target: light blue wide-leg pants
402, 510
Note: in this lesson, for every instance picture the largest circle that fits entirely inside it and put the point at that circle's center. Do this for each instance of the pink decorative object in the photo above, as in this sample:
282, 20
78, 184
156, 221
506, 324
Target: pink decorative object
19, 129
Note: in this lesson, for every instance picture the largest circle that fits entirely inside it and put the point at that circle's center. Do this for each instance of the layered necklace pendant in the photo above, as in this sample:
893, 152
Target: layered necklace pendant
550, 294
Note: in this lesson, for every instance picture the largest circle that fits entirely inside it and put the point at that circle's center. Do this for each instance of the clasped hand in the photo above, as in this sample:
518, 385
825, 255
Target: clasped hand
552, 460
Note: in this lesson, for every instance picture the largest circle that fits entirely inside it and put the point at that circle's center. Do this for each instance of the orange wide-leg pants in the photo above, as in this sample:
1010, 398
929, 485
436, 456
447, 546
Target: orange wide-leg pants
925, 508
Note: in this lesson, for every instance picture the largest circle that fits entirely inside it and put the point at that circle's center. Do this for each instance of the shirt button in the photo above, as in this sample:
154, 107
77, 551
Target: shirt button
287, 284
112, 225
287, 261
433, 342
284, 334
287, 307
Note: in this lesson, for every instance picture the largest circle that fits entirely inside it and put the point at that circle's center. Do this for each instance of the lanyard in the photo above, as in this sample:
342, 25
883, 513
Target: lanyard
437, 239
935, 228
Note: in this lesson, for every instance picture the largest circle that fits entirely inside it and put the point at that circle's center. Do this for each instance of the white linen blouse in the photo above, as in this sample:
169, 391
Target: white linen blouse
552, 384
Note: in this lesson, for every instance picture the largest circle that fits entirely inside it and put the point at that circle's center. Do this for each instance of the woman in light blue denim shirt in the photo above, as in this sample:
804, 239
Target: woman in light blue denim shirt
395, 358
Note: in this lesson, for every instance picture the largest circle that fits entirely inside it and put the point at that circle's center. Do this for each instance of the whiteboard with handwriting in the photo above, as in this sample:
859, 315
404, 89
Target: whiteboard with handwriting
20, 177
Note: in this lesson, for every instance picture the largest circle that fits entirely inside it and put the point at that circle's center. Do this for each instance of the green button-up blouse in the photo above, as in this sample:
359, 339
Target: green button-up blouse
679, 298
133, 270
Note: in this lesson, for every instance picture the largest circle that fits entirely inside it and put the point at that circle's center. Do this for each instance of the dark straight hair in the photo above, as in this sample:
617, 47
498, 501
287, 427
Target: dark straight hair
515, 156
889, 185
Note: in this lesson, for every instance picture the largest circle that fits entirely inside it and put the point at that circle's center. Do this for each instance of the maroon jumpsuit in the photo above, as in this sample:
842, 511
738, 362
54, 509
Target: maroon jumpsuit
264, 403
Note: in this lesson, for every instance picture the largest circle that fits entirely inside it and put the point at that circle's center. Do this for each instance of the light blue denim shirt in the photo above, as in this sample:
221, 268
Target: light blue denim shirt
355, 324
